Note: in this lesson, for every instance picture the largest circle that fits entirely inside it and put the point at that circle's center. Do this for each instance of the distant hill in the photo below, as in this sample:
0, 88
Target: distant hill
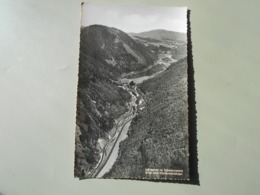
162, 35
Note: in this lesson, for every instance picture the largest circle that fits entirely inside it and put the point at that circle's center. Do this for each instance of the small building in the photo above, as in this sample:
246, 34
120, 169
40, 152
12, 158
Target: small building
131, 83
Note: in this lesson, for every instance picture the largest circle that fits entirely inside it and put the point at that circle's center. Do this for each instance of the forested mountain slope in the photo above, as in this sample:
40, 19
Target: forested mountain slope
158, 136
105, 53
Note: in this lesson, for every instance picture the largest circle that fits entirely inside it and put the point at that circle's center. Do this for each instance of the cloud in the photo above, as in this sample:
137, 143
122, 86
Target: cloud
135, 18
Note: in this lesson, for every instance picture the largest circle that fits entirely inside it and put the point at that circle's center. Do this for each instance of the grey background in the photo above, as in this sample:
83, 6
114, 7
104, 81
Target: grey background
38, 82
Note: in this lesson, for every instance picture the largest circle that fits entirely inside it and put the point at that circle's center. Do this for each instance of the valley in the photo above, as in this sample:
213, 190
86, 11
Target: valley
121, 80
110, 150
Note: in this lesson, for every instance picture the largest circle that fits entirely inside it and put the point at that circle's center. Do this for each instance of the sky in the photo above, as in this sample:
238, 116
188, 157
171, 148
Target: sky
135, 18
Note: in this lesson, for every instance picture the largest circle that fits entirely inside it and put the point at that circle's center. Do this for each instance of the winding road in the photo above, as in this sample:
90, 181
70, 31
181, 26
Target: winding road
109, 153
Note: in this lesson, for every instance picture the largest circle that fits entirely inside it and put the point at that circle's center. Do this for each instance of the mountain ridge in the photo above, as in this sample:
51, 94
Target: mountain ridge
161, 34
115, 47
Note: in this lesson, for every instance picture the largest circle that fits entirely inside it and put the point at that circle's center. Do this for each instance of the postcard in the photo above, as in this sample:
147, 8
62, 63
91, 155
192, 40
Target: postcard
132, 98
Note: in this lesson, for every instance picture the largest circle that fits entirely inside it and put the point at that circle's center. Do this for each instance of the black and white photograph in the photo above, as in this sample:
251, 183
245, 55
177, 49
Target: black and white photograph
132, 98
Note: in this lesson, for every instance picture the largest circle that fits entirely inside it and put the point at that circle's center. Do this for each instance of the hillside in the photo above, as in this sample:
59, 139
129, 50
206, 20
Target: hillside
158, 136
173, 43
113, 47
105, 54
162, 35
